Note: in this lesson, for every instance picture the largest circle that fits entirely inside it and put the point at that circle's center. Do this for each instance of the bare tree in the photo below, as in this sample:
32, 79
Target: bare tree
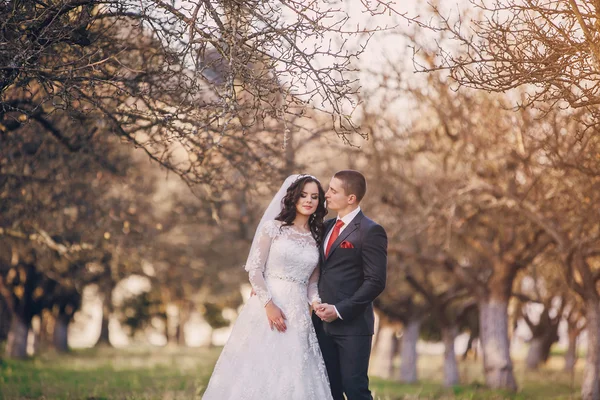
203, 87
575, 317
406, 306
548, 47
448, 300
443, 169
544, 301
386, 346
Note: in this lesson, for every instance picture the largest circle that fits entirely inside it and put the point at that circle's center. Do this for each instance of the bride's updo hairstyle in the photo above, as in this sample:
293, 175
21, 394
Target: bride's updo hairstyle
288, 212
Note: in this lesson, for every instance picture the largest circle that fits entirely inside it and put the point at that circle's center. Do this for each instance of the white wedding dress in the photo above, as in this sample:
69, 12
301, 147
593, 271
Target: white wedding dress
258, 363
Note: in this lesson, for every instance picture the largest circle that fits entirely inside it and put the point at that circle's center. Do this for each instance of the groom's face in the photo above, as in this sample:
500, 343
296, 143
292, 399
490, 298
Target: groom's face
336, 196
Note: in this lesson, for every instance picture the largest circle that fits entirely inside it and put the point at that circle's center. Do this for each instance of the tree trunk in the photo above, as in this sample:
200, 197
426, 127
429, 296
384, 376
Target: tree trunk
211, 343
290, 152
35, 331
497, 364
5, 317
545, 334
107, 308
47, 329
16, 346
470, 347
571, 354
408, 351
590, 388
181, 334
184, 316
103, 339
547, 347
384, 352
451, 375
60, 335
535, 354
171, 336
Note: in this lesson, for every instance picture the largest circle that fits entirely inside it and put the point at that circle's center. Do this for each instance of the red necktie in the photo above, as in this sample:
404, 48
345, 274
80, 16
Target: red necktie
334, 235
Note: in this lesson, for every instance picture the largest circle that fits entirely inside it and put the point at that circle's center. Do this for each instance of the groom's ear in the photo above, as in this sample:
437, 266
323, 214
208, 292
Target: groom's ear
352, 199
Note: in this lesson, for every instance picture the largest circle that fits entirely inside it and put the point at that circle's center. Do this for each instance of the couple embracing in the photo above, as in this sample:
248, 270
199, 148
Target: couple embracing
279, 348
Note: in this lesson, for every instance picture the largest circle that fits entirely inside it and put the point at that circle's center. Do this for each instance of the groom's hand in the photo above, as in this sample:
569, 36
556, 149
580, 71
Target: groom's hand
326, 312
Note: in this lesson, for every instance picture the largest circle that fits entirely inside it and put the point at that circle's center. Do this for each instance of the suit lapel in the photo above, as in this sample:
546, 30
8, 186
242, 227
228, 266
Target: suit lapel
352, 226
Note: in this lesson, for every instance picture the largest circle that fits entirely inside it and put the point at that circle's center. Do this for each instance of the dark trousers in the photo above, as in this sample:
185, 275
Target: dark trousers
347, 362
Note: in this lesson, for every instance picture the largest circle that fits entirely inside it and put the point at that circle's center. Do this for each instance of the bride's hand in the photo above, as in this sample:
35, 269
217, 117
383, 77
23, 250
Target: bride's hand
315, 305
276, 317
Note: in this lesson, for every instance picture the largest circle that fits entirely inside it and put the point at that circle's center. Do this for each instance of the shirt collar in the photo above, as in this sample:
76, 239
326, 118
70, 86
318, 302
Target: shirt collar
350, 216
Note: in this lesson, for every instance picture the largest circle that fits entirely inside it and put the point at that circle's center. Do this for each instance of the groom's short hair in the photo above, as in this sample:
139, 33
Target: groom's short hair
353, 182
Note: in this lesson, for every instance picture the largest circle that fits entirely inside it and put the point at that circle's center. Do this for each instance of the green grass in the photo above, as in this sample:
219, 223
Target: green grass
109, 374
171, 373
549, 383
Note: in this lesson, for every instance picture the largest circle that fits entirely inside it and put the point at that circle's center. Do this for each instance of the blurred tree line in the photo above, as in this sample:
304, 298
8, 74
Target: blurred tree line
493, 186
101, 100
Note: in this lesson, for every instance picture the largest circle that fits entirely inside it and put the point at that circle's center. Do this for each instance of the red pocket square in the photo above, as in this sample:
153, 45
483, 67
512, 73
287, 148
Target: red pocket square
346, 245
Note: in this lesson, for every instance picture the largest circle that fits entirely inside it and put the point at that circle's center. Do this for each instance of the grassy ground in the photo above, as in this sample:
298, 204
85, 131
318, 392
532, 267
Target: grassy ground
169, 373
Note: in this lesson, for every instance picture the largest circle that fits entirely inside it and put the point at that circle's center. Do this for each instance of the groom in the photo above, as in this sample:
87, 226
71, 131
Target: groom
353, 273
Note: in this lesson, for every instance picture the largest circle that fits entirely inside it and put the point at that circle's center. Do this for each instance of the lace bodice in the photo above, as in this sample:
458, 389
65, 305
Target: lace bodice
282, 252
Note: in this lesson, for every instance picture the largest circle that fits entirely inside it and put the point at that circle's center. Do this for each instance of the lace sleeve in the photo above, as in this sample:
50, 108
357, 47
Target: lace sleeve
257, 259
313, 286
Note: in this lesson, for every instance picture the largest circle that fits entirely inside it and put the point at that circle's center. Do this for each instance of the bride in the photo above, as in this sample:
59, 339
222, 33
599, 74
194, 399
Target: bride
273, 352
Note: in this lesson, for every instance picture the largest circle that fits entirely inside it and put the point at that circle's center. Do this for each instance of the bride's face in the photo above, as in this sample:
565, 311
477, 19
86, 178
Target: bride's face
309, 199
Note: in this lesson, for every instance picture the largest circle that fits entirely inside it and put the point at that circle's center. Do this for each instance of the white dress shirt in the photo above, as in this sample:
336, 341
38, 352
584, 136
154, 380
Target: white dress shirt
346, 219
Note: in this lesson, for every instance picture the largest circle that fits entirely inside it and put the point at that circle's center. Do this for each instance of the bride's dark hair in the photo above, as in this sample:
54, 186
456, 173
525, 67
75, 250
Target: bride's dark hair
288, 212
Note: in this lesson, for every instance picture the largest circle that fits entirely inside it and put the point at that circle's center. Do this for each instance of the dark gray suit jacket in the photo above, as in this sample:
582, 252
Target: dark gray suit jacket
351, 278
